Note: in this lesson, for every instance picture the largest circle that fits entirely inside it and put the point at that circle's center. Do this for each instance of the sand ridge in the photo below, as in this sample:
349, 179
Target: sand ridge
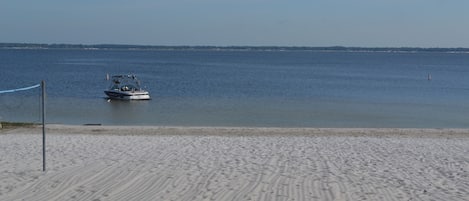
203, 163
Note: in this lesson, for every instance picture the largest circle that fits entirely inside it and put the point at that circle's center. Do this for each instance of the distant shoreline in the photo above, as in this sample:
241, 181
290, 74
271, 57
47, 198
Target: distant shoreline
230, 48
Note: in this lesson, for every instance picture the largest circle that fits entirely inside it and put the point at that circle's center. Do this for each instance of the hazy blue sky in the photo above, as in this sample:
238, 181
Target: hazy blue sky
368, 23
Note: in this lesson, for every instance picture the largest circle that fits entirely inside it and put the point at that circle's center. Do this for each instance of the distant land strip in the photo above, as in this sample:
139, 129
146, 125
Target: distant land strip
229, 48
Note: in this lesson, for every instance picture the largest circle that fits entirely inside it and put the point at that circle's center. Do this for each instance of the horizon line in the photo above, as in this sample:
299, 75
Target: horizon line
123, 46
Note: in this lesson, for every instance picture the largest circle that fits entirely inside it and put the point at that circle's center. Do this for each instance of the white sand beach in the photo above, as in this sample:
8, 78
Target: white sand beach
100, 163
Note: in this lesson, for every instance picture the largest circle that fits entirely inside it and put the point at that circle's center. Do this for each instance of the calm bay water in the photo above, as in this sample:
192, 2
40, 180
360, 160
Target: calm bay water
242, 88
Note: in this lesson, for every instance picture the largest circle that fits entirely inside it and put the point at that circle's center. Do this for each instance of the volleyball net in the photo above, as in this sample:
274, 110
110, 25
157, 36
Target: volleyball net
7, 101
20, 89
21, 104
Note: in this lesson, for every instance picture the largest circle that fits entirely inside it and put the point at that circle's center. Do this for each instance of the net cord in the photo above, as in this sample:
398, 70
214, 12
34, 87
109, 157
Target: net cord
20, 89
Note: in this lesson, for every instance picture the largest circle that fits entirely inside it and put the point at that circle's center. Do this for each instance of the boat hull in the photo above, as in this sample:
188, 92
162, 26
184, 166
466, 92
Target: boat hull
124, 95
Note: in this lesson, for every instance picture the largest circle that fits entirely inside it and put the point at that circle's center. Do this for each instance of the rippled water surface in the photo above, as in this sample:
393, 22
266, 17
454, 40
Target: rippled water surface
242, 88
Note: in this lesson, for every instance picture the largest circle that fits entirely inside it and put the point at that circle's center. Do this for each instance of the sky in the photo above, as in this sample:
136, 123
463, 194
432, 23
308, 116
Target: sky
357, 23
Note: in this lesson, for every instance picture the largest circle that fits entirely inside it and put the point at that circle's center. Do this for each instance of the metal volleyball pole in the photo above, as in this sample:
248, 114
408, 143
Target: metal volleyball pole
43, 86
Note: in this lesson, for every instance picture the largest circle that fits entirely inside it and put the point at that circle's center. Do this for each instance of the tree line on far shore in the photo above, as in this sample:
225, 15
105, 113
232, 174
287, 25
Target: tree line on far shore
228, 48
